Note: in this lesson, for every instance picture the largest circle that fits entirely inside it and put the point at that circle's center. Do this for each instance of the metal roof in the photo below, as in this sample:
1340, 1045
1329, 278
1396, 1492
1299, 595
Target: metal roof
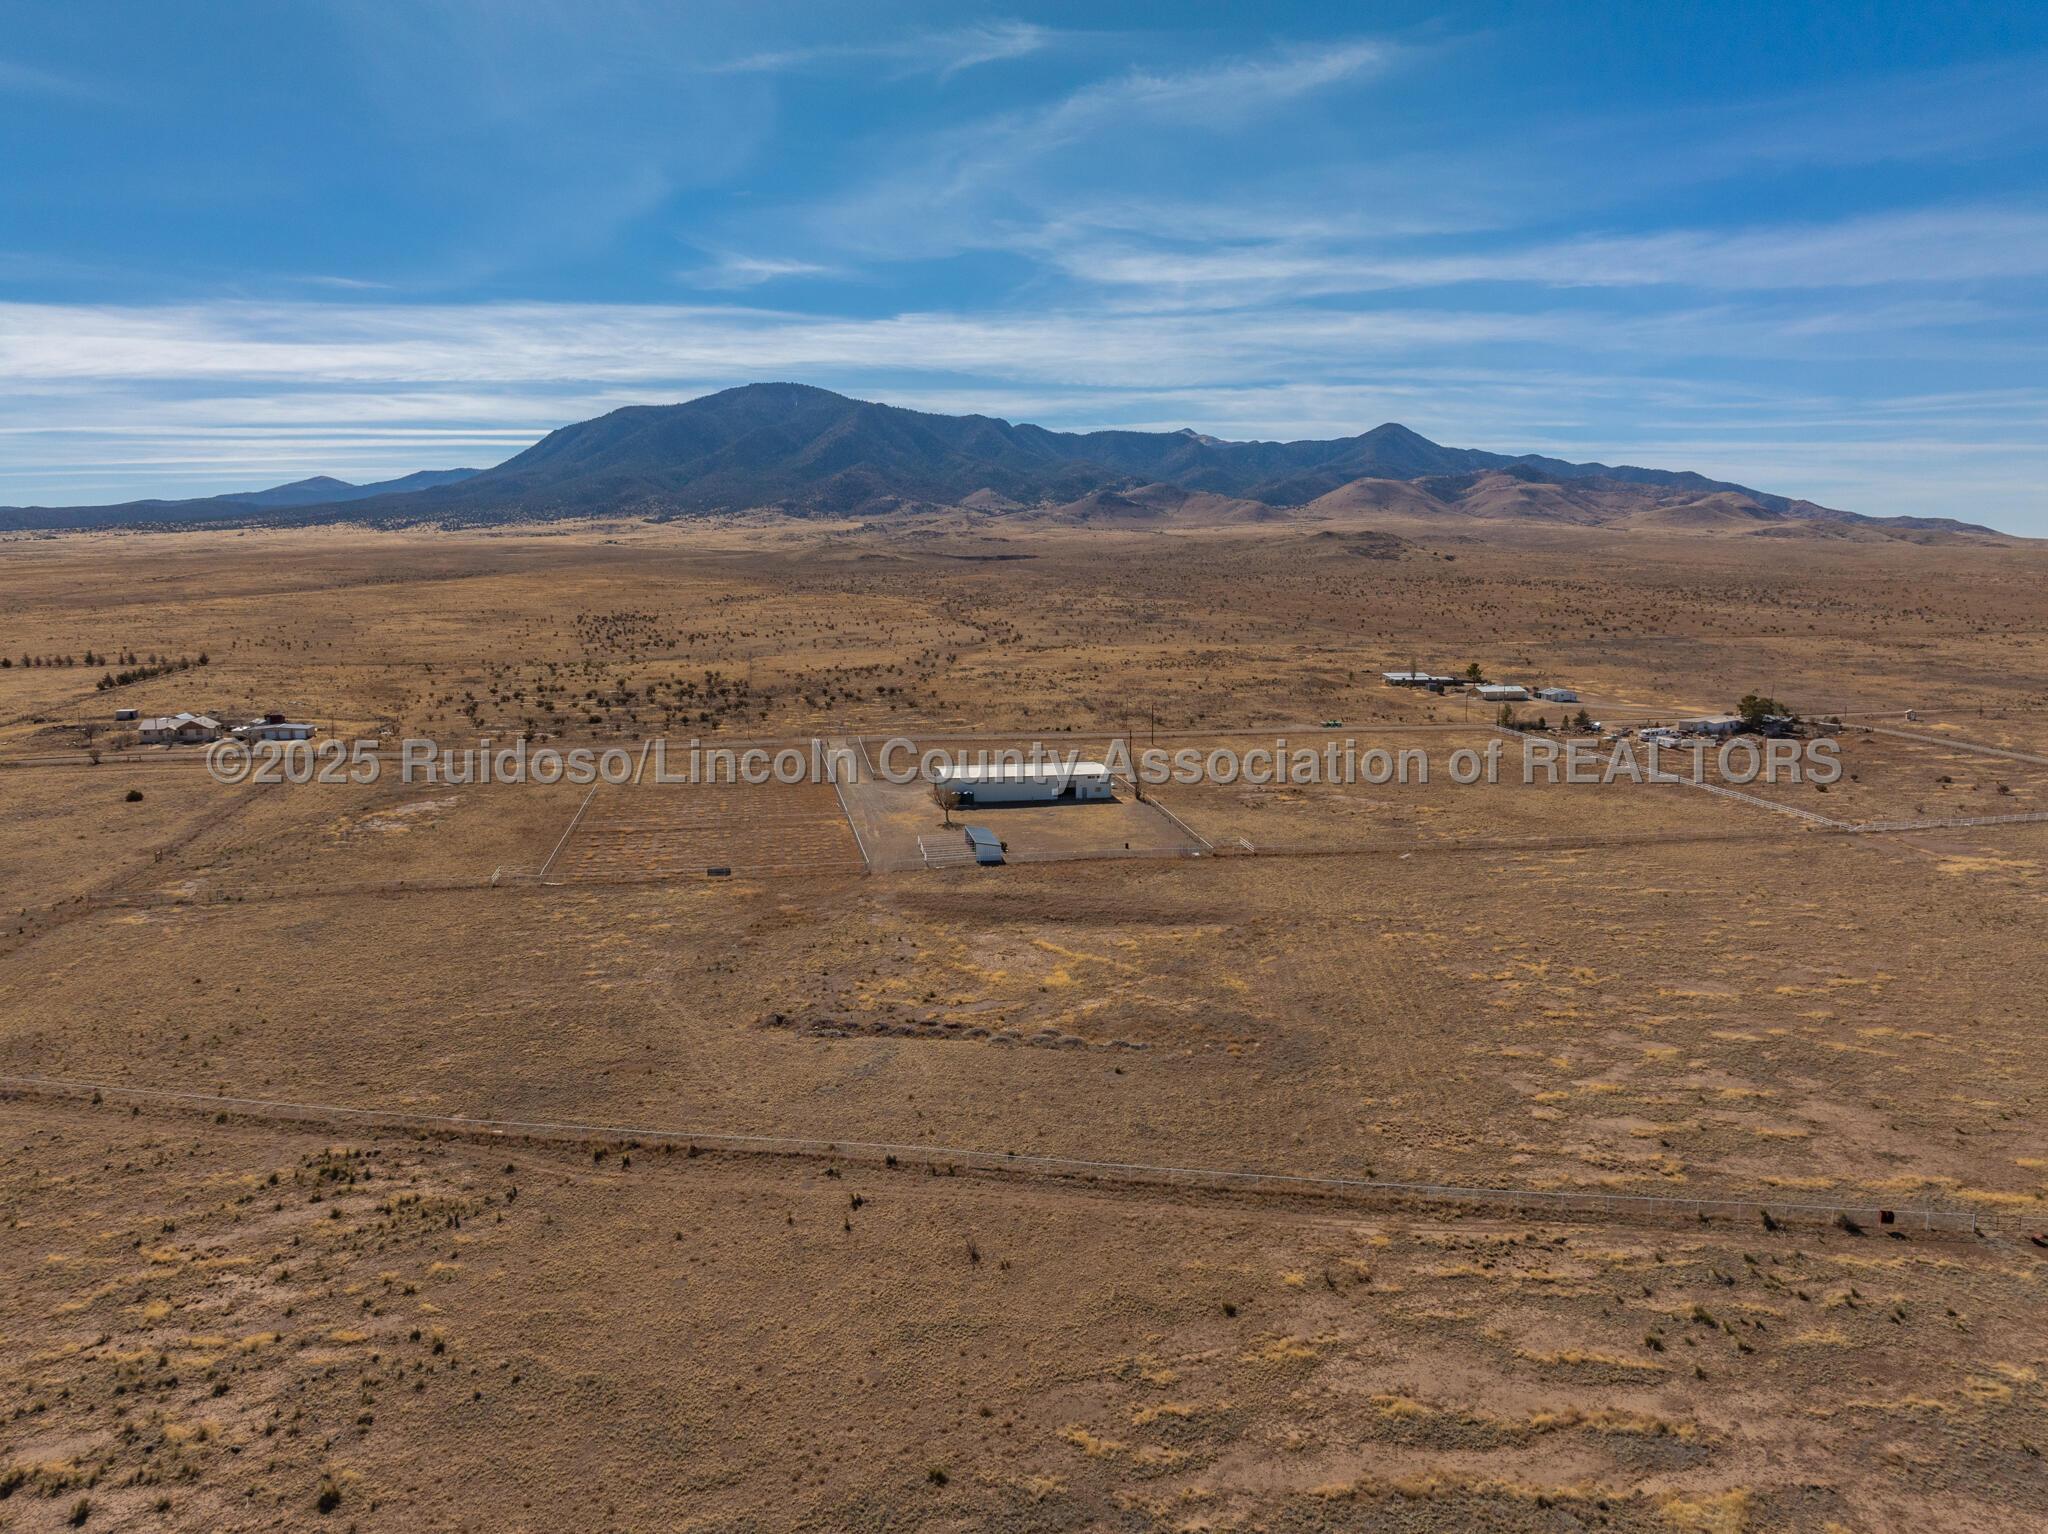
1022, 772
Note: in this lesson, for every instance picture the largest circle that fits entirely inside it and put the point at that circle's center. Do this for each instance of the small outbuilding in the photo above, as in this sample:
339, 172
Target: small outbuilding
126, 715
985, 845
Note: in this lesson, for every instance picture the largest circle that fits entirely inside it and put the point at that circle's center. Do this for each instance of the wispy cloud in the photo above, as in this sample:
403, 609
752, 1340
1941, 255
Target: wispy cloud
343, 284
738, 271
996, 181
1945, 245
28, 80
944, 54
1958, 113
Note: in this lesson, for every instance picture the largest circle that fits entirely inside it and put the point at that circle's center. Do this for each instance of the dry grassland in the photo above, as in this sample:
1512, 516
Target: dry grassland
1637, 988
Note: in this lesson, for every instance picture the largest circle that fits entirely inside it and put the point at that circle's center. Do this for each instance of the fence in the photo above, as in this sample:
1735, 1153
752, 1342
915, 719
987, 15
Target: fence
1224, 1181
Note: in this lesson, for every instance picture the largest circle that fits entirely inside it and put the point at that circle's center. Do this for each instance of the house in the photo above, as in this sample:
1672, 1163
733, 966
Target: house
1026, 782
1715, 727
180, 729
1557, 695
1502, 692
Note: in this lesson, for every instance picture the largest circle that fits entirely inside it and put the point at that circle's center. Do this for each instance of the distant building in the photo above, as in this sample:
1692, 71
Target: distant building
1026, 783
1502, 692
273, 727
126, 715
1557, 695
1415, 679
1716, 726
177, 730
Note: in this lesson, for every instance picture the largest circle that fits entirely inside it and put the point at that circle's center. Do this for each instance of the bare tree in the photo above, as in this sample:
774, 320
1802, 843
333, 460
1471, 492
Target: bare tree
947, 799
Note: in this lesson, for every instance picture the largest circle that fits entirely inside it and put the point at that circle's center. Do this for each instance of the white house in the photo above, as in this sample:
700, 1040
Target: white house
180, 729
1557, 695
1503, 692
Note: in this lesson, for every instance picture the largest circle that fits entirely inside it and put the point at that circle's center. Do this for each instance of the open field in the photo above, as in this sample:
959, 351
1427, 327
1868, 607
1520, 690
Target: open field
1630, 988
434, 1333
651, 831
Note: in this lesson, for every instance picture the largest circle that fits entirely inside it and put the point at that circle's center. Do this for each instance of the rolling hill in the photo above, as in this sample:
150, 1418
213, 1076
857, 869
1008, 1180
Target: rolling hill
322, 490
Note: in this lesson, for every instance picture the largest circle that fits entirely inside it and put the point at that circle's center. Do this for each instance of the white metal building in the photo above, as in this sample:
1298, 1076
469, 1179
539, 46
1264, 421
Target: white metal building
1026, 782
1557, 695
1503, 692
273, 729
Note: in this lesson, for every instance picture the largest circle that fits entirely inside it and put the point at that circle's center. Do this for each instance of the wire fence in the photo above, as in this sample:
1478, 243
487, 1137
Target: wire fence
1565, 1203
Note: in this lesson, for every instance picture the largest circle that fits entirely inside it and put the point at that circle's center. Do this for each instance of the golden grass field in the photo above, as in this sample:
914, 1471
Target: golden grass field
235, 1320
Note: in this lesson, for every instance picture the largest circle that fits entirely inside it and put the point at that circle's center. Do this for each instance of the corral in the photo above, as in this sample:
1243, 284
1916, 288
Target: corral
667, 830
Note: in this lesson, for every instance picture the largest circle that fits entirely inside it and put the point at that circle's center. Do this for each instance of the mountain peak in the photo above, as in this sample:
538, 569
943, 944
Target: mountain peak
797, 447
1394, 431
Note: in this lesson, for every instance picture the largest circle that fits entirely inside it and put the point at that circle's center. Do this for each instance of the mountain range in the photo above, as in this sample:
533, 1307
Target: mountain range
794, 448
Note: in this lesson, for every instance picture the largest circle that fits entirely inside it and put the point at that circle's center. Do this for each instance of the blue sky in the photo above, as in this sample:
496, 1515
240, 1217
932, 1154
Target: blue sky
1800, 246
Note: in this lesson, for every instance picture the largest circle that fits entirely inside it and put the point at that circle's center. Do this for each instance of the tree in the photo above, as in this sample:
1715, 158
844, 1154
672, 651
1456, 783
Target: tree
1506, 717
1473, 673
1755, 708
947, 799
1582, 720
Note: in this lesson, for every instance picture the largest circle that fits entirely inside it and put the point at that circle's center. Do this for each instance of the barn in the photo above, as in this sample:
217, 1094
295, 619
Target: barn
1026, 782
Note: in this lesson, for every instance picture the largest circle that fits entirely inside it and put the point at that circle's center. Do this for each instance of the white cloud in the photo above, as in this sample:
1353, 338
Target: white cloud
961, 189
28, 80
944, 54
738, 271
1943, 245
